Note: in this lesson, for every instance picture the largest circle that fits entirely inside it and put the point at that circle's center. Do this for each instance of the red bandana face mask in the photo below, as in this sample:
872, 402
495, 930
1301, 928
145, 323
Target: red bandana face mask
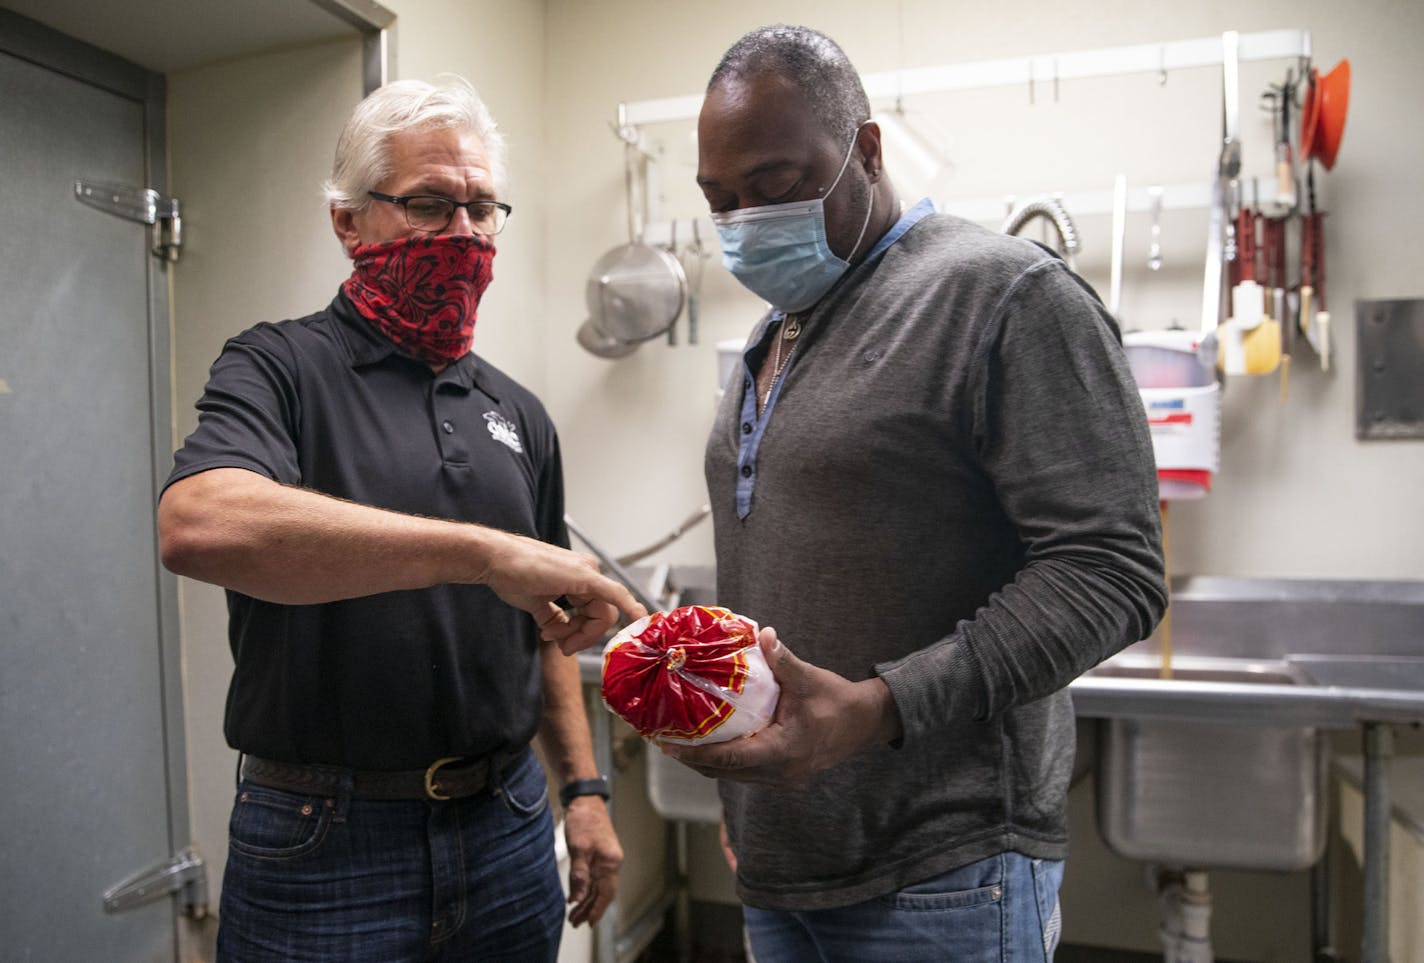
422, 292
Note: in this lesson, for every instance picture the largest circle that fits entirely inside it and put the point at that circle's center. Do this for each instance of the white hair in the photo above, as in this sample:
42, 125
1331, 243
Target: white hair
363, 152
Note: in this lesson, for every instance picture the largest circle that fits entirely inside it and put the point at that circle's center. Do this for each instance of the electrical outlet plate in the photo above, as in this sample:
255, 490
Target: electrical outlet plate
1389, 378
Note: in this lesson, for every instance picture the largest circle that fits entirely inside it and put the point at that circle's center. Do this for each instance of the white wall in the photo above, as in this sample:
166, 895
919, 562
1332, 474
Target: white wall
250, 141
498, 47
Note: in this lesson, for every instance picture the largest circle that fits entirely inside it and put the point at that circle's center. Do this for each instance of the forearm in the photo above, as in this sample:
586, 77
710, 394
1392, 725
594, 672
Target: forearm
1058, 619
1052, 623
879, 713
564, 732
243, 531
594, 853
1070, 457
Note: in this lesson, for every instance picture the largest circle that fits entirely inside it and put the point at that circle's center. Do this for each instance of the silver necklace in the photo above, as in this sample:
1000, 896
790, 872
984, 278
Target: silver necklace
790, 332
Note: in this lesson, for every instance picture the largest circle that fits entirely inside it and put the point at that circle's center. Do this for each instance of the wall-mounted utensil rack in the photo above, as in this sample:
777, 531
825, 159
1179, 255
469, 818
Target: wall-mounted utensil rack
1051, 68
1159, 58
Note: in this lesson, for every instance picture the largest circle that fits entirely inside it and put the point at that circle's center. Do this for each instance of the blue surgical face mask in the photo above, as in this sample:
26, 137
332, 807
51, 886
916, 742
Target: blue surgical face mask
779, 251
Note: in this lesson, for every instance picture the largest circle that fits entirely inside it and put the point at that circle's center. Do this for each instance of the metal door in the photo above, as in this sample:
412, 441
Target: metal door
90, 727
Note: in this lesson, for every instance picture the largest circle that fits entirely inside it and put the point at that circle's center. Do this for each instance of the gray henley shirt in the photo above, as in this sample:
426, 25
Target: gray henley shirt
953, 489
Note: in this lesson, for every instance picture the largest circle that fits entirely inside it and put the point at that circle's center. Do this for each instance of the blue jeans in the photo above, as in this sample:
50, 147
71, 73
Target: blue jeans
1003, 909
312, 878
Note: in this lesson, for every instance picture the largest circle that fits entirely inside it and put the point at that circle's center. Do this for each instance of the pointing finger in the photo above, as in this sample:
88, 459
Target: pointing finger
617, 594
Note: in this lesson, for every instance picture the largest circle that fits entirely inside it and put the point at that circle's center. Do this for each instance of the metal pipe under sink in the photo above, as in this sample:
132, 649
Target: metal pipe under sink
1379, 749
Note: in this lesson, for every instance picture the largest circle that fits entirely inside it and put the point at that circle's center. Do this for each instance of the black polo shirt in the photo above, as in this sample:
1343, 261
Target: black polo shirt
400, 679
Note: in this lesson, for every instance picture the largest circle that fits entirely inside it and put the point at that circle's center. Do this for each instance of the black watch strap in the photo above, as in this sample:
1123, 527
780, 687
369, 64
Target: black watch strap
583, 787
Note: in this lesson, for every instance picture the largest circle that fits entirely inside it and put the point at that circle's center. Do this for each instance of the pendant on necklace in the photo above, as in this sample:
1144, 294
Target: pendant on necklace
792, 330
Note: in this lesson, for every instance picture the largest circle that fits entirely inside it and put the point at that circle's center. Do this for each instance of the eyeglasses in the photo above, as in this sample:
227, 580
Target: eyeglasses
430, 212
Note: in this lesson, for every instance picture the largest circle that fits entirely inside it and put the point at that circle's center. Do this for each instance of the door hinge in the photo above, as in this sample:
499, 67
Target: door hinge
144, 205
184, 874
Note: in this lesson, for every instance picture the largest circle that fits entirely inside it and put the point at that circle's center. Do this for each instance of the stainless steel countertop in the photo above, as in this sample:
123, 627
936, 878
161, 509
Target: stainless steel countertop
1353, 648
1106, 697
1328, 691
1324, 707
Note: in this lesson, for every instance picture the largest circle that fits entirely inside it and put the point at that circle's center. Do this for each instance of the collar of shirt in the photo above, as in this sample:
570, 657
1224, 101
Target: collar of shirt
753, 426
367, 346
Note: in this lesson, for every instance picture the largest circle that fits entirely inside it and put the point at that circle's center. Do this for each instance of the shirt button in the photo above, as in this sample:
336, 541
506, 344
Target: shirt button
746, 427
746, 471
448, 426
746, 386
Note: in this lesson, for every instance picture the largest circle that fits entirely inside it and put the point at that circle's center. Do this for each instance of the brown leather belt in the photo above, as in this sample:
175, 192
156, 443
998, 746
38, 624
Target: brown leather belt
453, 777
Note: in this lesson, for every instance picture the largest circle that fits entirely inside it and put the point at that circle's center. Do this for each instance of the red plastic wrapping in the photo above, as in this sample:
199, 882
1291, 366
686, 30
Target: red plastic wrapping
691, 675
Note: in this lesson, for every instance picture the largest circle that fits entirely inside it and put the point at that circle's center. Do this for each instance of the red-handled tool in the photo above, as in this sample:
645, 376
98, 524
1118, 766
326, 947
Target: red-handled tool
1322, 314
1312, 276
1273, 244
1251, 313
1246, 250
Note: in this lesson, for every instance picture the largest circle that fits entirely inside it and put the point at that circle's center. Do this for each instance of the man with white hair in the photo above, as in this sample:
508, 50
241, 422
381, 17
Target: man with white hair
385, 510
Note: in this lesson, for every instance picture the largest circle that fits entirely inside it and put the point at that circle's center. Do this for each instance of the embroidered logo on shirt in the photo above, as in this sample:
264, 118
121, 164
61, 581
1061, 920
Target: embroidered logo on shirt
503, 430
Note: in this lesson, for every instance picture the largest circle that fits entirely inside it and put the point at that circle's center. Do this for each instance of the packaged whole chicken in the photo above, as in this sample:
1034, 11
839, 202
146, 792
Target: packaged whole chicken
690, 676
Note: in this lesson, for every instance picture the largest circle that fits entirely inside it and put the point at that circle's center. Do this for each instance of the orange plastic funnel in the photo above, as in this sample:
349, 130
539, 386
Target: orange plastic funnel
1322, 120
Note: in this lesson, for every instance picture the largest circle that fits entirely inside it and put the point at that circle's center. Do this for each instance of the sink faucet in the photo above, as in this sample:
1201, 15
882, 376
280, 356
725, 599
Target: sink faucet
1052, 211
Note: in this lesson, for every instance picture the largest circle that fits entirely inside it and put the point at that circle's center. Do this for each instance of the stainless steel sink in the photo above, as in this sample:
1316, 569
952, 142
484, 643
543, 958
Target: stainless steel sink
1223, 765
1362, 671
1210, 794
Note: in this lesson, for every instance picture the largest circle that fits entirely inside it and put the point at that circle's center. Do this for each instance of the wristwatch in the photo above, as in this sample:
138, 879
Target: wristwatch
583, 787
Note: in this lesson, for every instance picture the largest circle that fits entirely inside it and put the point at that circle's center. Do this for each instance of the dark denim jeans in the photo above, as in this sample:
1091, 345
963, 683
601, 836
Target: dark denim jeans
1003, 909
313, 878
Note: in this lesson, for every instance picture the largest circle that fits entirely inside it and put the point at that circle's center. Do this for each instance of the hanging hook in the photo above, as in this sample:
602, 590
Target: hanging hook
1055, 80
1162, 66
623, 130
1268, 99
1154, 250
630, 134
